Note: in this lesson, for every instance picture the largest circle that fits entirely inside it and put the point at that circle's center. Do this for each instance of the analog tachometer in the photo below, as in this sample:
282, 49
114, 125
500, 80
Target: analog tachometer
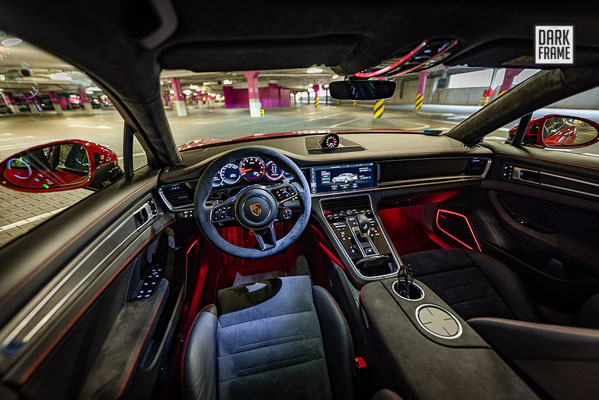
252, 168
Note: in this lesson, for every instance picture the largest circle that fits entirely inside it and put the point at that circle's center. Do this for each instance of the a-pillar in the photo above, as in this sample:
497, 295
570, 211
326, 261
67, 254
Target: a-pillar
178, 97
316, 99
421, 85
508, 79
10, 102
55, 103
253, 93
87, 106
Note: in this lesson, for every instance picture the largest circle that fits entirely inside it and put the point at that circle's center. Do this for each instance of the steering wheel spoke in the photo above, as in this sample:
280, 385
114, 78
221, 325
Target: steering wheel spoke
266, 238
223, 212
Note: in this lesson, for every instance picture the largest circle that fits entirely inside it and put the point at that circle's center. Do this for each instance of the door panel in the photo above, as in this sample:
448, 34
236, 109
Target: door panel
118, 243
548, 234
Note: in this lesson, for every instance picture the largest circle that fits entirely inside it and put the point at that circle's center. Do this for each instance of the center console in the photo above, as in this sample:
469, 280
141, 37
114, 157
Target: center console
417, 335
359, 236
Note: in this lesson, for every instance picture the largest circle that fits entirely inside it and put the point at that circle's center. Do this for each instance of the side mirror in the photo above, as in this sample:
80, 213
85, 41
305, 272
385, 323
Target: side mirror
62, 165
567, 131
361, 89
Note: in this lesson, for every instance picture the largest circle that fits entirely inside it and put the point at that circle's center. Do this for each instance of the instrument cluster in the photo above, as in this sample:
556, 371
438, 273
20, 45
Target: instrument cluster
249, 169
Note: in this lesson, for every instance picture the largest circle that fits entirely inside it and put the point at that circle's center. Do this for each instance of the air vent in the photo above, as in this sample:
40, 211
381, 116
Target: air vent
346, 203
179, 195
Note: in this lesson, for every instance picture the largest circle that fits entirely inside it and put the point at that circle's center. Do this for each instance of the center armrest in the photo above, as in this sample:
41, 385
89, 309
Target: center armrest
427, 365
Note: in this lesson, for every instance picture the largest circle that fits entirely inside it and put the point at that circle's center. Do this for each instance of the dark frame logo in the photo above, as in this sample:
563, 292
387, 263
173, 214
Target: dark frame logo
256, 209
554, 44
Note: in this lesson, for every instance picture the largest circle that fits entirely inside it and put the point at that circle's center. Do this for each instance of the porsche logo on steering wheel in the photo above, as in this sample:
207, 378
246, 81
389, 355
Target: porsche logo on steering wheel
256, 208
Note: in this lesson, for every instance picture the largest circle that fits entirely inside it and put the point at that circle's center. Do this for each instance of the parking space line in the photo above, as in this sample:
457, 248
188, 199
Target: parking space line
29, 220
343, 123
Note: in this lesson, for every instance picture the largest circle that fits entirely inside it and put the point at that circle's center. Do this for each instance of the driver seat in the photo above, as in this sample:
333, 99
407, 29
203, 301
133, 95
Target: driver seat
273, 339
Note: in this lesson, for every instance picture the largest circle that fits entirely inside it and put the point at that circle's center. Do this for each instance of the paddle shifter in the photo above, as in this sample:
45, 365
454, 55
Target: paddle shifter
405, 277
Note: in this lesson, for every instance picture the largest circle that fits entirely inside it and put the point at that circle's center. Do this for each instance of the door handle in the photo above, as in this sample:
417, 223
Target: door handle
527, 175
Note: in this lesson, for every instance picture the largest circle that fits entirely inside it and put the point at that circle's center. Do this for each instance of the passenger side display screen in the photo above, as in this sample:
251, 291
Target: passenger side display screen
341, 177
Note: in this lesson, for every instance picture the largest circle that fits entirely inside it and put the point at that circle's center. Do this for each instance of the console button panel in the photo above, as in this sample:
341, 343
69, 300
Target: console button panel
345, 227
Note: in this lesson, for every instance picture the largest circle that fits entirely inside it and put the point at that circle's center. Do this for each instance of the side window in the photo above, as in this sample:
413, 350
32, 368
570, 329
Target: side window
139, 155
43, 100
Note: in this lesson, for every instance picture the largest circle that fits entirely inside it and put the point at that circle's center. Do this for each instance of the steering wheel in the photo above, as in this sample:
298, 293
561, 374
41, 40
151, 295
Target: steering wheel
255, 207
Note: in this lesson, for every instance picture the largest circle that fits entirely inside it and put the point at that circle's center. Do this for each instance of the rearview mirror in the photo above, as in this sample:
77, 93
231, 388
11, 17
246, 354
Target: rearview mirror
566, 131
61, 165
361, 89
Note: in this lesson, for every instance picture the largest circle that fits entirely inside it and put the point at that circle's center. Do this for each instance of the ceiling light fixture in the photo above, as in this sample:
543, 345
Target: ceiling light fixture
11, 42
314, 70
335, 76
60, 76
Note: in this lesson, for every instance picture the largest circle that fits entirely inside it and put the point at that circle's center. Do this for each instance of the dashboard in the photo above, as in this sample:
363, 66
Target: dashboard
375, 161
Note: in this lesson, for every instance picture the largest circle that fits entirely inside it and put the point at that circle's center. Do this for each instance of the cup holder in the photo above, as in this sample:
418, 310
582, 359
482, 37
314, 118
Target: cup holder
416, 292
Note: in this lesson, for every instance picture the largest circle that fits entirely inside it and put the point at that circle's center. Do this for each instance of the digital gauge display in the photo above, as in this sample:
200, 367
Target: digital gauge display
230, 174
273, 172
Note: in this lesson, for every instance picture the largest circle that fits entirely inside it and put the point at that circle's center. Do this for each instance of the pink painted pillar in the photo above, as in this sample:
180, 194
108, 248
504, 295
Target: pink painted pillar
55, 103
508, 79
10, 102
421, 86
178, 97
253, 93
87, 107
316, 99
166, 97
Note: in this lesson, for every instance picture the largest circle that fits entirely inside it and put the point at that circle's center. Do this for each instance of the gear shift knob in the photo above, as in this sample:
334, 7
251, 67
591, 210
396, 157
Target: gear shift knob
363, 224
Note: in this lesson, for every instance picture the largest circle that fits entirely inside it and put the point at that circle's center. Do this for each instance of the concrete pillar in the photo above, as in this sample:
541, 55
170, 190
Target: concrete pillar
166, 98
178, 97
316, 98
294, 98
379, 109
55, 103
87, 106
308, 96
421, 86
253, 93
508, 79
10, 102
32, 105
199, 95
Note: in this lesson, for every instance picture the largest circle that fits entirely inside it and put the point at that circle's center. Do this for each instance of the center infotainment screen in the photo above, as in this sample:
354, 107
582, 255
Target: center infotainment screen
337, 178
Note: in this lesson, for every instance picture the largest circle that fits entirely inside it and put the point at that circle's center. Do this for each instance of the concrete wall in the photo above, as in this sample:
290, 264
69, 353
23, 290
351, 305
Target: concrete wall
407, 87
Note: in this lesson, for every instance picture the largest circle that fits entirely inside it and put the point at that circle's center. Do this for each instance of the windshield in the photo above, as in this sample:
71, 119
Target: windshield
226, 105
